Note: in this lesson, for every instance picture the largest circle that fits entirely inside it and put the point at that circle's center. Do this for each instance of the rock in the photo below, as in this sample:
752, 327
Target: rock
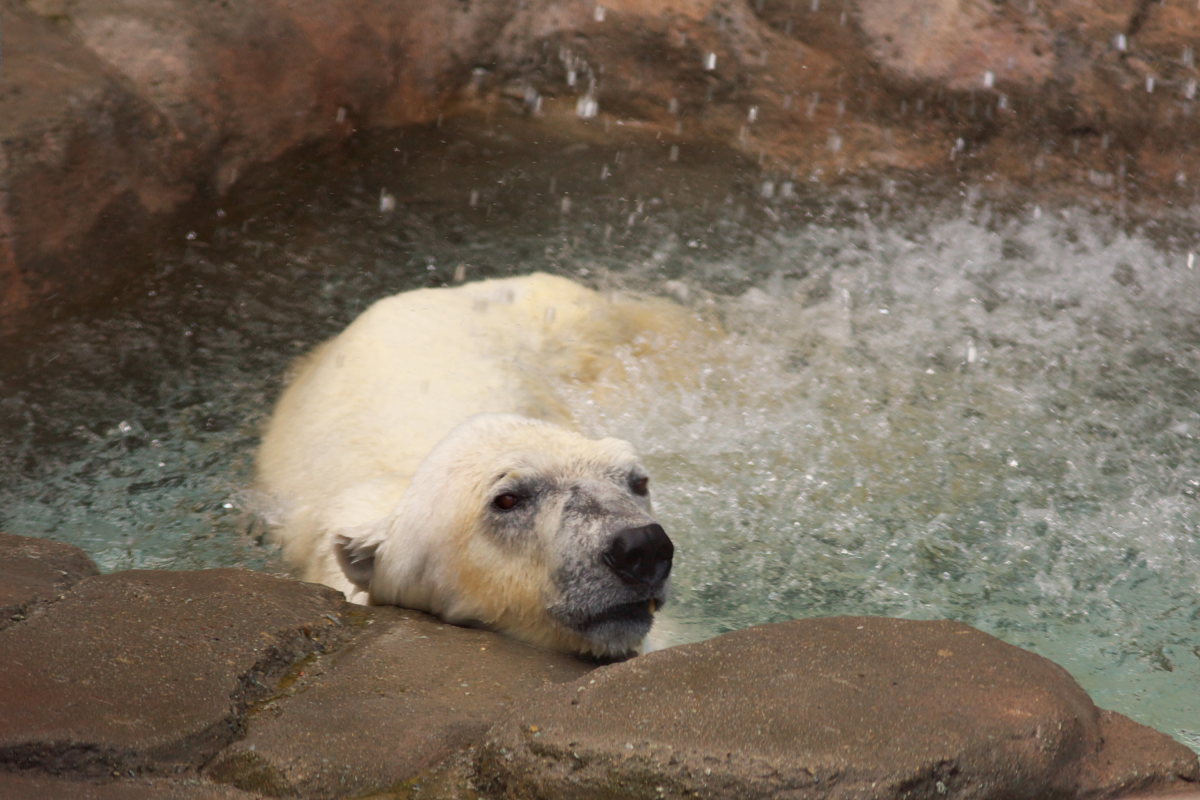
842, 707
227, 684
126, 111
407, 694
151, 672
15, 786
35, 572
122, 112
79, 166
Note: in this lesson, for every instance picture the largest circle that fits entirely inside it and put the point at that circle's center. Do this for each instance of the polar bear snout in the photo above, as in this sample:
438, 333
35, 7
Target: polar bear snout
640, 556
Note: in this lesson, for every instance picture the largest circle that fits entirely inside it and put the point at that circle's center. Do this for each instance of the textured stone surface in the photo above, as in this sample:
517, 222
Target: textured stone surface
17, 786
227, 684
122, 111
407, 694
152, 671
36, 571
841, 707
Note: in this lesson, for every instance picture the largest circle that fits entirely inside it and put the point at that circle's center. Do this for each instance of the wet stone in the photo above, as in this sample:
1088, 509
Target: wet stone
408, 693
843, 707
151, 672
35, 572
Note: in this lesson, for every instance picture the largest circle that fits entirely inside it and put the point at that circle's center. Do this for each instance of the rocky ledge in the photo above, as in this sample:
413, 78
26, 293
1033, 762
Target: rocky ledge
234, 684
115, 115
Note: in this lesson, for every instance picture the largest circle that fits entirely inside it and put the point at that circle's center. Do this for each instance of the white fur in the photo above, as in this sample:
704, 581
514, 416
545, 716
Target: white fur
362, 445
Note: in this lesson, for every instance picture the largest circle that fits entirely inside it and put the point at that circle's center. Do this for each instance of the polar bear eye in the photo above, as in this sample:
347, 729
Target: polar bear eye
639, 485
506, 501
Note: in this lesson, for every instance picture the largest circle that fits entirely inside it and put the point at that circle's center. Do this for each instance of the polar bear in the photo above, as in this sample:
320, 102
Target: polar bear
425, 458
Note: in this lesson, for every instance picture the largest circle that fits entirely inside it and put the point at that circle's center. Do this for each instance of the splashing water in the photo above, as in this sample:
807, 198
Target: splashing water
995, 422
996, 426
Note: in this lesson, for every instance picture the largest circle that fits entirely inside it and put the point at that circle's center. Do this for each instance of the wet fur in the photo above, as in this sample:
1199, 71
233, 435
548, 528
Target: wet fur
391, 441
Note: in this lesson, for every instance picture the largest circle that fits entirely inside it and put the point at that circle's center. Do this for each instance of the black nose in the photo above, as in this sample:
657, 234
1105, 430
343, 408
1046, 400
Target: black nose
640, 555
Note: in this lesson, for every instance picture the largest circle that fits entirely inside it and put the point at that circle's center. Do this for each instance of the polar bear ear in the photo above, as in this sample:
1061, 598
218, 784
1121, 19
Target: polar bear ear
357, 559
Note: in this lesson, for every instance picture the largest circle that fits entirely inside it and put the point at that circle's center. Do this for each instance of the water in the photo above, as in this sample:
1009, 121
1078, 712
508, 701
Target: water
923, 410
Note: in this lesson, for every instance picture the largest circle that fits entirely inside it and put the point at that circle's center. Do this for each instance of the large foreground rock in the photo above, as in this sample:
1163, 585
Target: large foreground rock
231, 685
35, 572
152, 671
841, 707
407, 694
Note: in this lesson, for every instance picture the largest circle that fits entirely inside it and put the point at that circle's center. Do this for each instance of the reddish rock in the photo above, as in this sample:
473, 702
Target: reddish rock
121, 111
79, 166
36, 571
409, 693
115, 114
843, 707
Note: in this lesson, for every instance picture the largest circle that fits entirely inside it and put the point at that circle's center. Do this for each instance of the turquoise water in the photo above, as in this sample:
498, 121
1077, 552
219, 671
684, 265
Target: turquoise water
924, 410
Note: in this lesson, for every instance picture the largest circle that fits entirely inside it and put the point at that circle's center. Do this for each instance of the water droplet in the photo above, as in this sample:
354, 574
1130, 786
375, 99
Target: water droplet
587, 107
1149, 83
674, 154
387, 202
1120, 42
474, 201
1189, 89
752, 114
673, 106
565, 205
598, 14
710, 61
989, 79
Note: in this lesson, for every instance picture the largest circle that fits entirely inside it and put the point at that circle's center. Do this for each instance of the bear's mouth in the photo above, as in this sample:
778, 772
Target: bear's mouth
639, 613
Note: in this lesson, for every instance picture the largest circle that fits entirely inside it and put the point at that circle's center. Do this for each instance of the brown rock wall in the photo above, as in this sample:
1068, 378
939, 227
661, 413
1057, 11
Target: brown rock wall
117, 113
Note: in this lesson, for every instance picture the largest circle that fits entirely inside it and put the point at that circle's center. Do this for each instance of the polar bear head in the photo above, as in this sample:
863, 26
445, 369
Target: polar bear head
525, 527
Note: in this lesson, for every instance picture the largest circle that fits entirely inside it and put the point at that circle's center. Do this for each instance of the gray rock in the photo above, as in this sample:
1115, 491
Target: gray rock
399, 699
153, 671
828, 708
35, 572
